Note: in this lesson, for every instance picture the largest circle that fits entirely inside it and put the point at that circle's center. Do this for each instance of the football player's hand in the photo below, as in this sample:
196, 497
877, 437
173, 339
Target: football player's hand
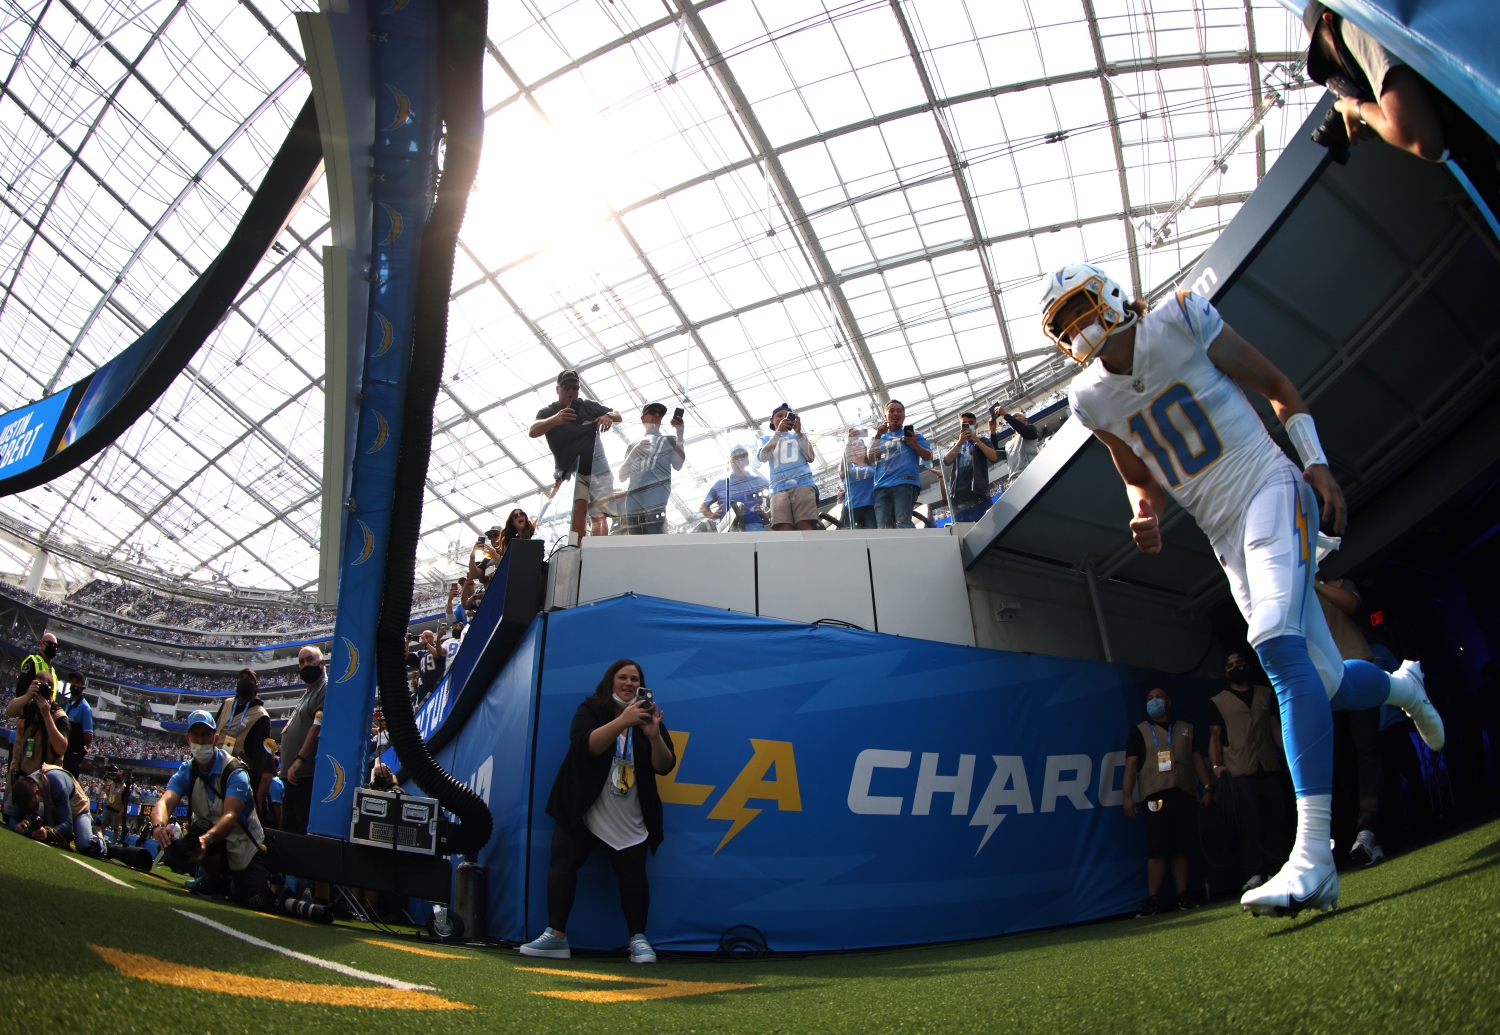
1331, 496
1129, 807
1145, 528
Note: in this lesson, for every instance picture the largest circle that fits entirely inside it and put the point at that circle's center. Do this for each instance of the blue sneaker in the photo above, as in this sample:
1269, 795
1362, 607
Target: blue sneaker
640, 950
552, 946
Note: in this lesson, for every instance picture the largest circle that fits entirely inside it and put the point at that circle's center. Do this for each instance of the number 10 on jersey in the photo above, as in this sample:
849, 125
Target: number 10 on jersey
1191, 464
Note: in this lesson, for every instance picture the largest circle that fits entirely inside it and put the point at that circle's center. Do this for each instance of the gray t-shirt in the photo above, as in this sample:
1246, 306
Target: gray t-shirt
1372, 57
309, 713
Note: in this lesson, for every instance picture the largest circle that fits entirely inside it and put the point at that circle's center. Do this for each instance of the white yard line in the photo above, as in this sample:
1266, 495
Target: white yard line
93, 869
363, 975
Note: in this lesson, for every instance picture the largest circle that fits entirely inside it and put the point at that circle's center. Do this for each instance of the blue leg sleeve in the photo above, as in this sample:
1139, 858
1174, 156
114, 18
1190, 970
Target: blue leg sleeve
1306, 718
1364, 686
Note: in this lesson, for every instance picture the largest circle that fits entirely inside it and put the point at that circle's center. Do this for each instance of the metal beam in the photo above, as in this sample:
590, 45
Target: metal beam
1114, 139
961, 181
717, 64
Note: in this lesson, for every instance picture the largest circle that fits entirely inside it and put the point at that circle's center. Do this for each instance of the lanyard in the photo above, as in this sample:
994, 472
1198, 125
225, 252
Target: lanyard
241, 715
1153, 736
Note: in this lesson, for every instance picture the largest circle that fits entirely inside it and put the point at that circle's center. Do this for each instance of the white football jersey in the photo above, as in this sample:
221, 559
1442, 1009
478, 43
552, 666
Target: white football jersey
1187, 419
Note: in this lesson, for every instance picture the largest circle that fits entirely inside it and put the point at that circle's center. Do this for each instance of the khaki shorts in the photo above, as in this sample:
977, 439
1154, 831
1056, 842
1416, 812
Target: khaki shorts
792, 505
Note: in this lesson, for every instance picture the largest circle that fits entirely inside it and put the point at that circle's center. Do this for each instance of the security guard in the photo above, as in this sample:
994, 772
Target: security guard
1245, 749
217, 789
1165, 757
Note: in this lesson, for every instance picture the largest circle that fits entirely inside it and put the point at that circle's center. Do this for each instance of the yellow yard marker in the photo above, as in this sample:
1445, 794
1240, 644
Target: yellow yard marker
647, 988
413, 949
163, 972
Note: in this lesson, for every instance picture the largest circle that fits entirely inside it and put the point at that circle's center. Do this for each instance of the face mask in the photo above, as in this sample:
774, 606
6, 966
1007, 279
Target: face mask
1087, 340
625, 703
1156, 707
49, 651
310, 673
1239, 674
245, 687
202, 753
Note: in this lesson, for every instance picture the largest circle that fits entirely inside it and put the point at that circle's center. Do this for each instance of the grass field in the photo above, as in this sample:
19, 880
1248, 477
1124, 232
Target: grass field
1415, 947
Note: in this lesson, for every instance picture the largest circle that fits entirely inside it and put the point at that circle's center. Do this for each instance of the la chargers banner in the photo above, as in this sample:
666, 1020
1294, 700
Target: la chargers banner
834, 789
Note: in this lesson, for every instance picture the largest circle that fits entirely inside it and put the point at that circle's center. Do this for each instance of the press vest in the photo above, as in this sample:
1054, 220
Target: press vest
1250, 732
235, 726
1346, 635
77, 800
1154, 782
246, 836
43, 669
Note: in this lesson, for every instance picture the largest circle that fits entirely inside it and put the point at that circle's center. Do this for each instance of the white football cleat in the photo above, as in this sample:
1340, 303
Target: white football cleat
1426, 718
1298, 886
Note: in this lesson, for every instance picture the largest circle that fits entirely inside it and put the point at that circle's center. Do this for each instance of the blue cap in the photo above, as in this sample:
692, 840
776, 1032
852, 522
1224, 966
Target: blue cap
201, 718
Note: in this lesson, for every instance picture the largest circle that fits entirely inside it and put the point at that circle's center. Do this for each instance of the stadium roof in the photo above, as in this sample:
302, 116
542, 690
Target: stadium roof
734, 204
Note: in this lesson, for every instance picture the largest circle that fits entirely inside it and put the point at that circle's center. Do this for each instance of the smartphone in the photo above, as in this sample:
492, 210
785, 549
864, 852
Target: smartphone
677, 413
646, 694
910, 429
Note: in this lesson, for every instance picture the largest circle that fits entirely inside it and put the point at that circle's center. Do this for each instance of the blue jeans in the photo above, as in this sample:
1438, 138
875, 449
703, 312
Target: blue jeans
893, 505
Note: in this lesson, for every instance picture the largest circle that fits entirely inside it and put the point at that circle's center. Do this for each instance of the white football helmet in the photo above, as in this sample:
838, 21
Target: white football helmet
1111, 310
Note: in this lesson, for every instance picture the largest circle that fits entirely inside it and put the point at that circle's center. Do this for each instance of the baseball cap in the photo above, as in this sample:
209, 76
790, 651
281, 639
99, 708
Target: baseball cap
777, 408
201, 718
739, 451
567, 375
657, 408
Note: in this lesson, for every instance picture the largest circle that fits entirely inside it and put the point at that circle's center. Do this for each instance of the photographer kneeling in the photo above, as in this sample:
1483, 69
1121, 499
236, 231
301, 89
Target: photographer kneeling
224, 835
51, 808
601, 798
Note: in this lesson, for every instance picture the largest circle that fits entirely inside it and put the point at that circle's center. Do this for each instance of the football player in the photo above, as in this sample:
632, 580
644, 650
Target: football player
1163, 391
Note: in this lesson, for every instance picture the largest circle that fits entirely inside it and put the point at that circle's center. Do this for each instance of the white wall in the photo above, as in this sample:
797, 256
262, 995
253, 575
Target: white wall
897, 581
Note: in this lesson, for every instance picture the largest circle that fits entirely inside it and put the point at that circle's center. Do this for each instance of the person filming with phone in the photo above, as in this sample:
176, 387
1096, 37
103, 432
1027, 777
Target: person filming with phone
794, 494
605, 796
970, 459
897, 454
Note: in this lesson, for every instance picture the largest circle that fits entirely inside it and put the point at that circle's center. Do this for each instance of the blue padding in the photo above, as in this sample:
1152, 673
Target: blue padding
1364, 686
1018, 825
1306, 718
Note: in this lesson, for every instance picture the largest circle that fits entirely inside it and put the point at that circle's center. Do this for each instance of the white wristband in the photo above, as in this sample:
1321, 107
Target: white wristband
1304, 435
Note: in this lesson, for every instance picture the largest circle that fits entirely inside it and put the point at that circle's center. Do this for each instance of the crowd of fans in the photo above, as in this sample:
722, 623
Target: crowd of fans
91, 664
884, 475
112, 745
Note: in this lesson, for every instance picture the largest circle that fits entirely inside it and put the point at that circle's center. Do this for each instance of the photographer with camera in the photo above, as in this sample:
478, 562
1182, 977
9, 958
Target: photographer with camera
970, 459
897, 455
794, 494
51, 807
604, 797
245, 730
1379, 95
41, 736
224, 836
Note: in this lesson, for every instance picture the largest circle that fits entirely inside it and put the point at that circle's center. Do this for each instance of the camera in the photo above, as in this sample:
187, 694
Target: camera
178, 855
1332, 133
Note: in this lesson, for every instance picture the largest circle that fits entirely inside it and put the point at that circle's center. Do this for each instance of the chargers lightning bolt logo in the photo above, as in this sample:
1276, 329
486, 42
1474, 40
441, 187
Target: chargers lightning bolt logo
403, 109
387, 332
382, 431
338, 779
752, 783
353, 661
369, 542
1302, 536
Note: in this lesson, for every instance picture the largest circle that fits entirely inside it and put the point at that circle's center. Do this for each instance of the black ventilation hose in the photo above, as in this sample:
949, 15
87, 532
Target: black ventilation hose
461, 29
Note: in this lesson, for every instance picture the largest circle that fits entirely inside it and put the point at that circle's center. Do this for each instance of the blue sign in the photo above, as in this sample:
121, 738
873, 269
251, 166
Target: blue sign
26, 433
834, 788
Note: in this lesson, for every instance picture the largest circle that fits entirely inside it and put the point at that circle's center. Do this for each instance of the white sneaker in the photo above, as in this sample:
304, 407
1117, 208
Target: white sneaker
1300, 885
1426, 718
640, 950
1365, 851
550, 945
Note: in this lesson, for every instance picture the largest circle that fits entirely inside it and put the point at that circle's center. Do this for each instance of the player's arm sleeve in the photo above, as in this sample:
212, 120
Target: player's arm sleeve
1135, 746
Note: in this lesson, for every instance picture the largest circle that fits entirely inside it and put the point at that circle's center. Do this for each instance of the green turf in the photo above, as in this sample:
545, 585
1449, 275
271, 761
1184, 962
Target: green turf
1415, 947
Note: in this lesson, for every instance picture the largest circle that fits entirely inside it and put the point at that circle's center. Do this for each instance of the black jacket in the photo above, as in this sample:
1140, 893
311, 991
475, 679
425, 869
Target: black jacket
580, 778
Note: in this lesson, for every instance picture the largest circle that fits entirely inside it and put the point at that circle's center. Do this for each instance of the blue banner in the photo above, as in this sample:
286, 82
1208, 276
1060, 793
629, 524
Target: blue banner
834, 788
403, 48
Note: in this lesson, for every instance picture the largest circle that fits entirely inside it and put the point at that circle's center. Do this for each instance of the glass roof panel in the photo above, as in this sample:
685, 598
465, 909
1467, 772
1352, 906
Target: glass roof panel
627, 220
